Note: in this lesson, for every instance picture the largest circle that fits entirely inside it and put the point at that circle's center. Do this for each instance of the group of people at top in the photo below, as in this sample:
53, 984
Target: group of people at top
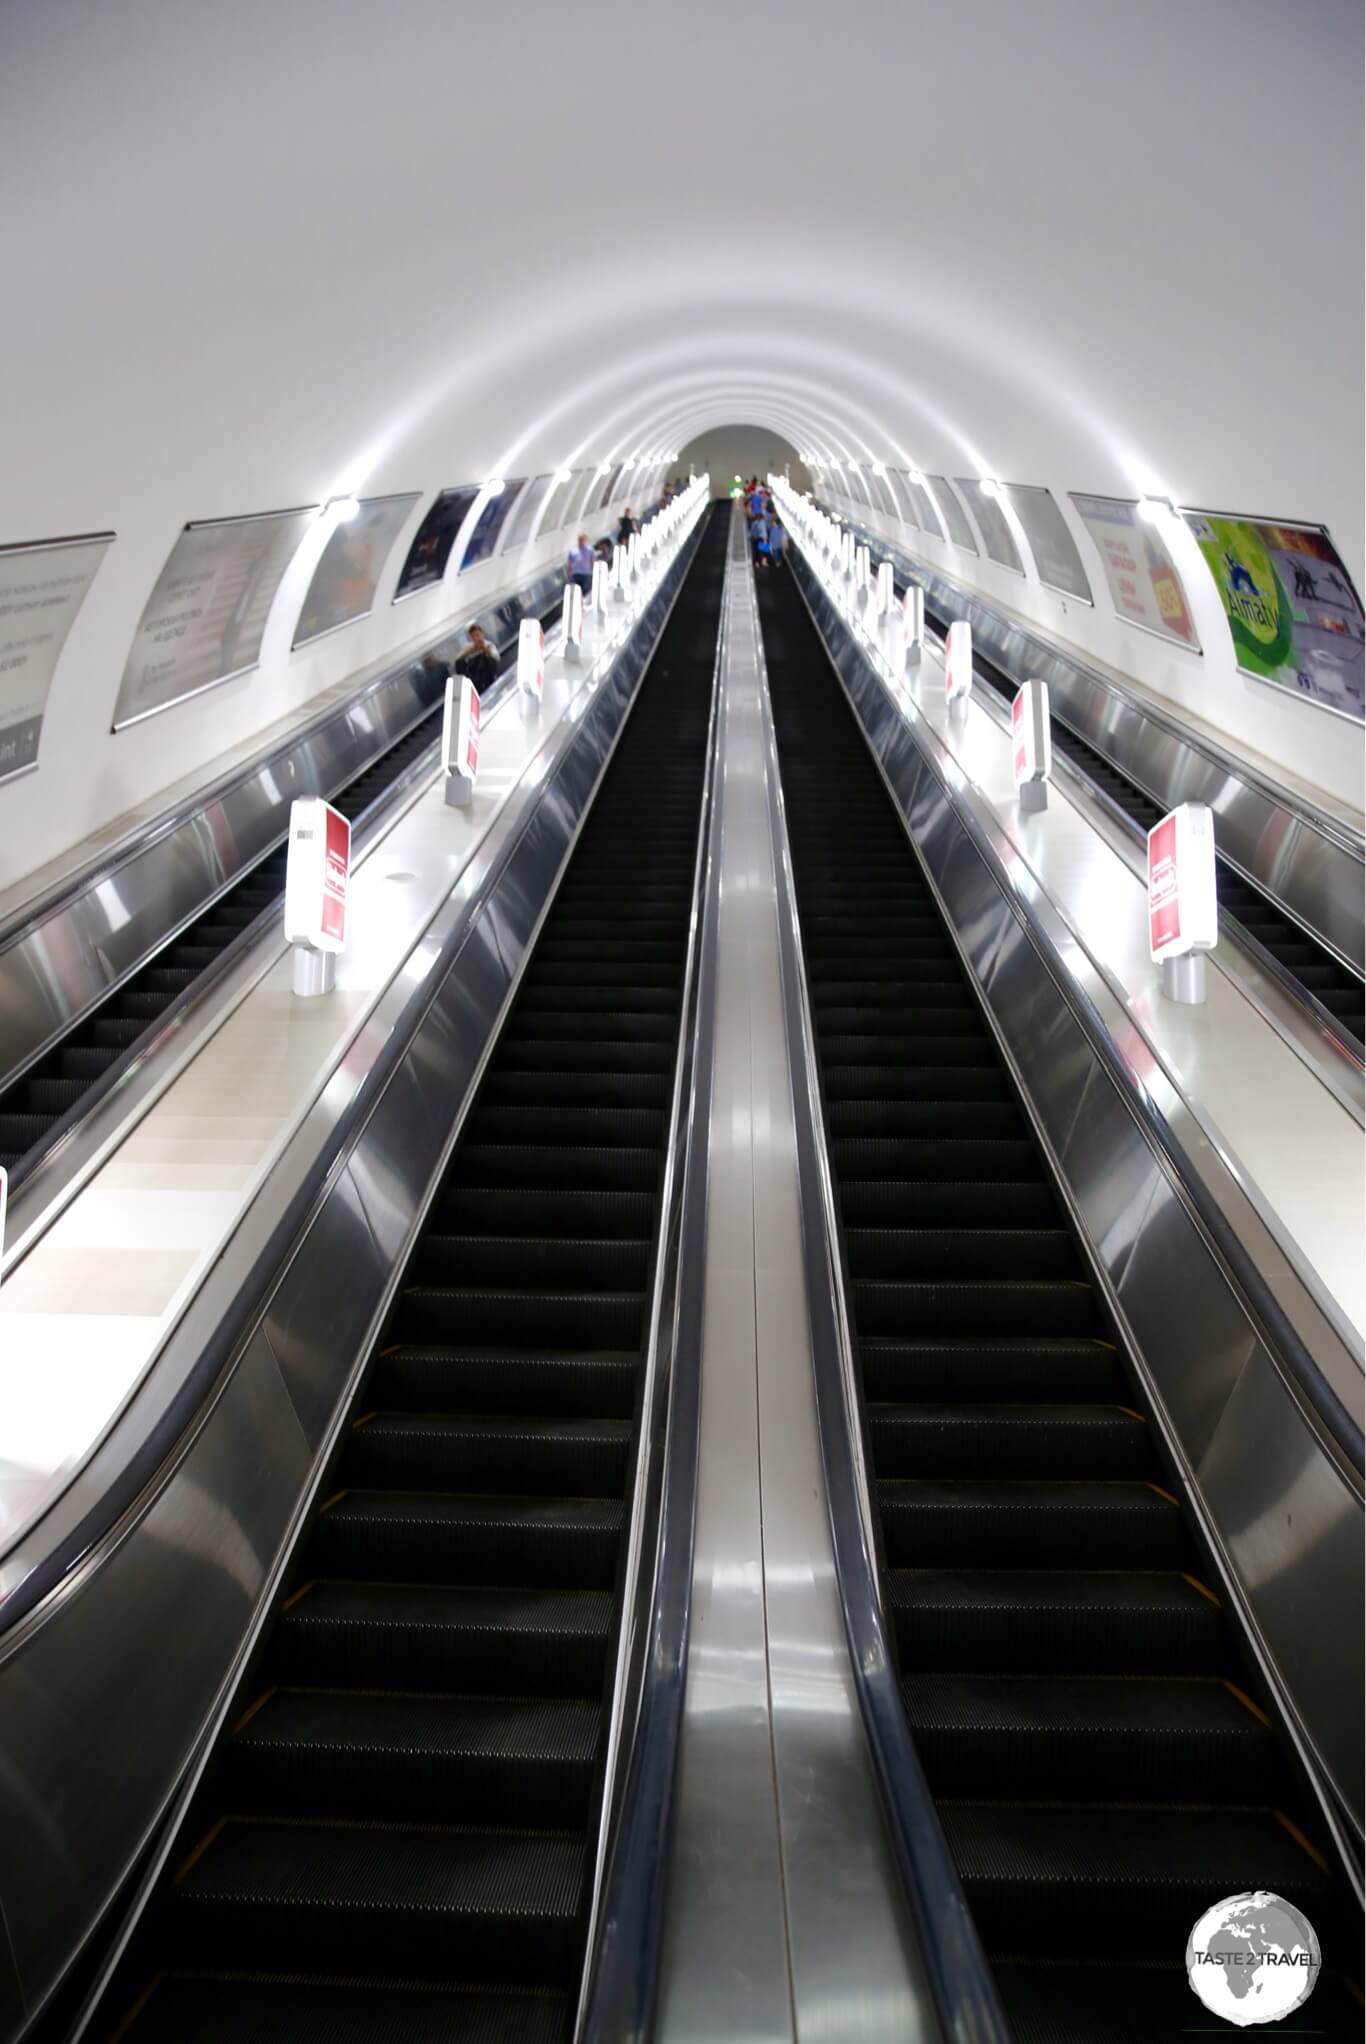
766, 533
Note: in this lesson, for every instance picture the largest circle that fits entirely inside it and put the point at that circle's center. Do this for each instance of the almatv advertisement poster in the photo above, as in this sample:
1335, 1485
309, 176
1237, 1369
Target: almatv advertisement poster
1295, 617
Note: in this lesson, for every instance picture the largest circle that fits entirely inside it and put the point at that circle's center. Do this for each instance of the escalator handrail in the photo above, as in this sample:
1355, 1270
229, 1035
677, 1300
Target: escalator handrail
621, 1973
960, 1978
213, 1357
1282, 1339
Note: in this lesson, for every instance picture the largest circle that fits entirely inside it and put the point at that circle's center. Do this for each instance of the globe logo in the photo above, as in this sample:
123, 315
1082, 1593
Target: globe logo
1253, 1958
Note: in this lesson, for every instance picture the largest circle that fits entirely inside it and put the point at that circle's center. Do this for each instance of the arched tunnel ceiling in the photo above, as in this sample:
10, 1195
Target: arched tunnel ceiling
259, 253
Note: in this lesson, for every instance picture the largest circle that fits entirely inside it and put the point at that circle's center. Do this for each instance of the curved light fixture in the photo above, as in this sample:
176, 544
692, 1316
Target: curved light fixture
494, 487
342, 509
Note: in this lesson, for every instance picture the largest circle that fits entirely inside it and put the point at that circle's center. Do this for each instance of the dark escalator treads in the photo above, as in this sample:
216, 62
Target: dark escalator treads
1079, 1704
396, 1836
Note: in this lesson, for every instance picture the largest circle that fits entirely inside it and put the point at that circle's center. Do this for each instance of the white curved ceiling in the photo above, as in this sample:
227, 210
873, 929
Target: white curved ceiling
259, 253
269, 250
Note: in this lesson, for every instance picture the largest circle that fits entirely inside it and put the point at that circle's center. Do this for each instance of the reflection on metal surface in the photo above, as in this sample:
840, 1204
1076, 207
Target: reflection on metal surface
785, 1916
181, 1523
1164, 1222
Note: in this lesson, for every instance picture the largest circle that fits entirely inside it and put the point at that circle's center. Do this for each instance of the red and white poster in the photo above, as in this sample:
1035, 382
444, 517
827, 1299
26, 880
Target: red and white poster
1183, 909
531, 657
317, 876
958, 661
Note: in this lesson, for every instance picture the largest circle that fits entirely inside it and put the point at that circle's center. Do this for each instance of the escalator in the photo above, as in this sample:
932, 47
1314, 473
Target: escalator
395, 1835
1089, 1719
1286, 943
57, 1084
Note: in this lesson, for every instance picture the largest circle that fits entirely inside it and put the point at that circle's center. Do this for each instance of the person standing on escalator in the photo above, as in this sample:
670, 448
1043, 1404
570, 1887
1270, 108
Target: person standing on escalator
479, 660
627, 526
579, 566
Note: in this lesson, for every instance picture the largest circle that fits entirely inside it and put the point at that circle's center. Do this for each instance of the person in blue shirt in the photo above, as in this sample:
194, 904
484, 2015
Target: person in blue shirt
758, 533
579, 565
776, 538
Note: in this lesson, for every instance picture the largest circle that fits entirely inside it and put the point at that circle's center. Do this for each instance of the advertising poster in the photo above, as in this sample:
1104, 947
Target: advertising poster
204, 619
349, 568
41, 589
1144, 585
1055, 550
952, 515
1296, 620
431, 547
926, 516
997, 537
487, 526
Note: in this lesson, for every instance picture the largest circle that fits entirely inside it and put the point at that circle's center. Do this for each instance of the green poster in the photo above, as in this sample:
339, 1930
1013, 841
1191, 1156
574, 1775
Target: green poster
1250, 591
1291, 607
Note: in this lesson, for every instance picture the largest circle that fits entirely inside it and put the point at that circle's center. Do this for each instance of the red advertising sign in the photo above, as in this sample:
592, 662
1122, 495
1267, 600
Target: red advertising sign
1183, 908
958, 660
1164, 895
317, 875
336, 875
1019, 738
469, 717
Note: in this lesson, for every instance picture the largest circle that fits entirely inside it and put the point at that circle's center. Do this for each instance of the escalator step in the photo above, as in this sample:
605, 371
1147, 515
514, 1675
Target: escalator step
958, 1159
416, 1902
481, 1210
440, 1451
560, 1167
452, 1379
1061, 1620
1061, 1371
547, 1054
497, 1760
53, 1096
1134, 2004
412, 1636
1073, 1738
425, 1536
597, 1127
1026, 1441
922, 1081
88, 1063
894, 1203
212, 2008
992, 1306
1025, 1866
491, 1261
933, 1523
589, 1320
593, 1088
986, 1251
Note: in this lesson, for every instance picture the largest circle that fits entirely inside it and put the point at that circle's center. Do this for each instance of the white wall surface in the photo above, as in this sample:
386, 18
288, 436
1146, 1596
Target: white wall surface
254, 256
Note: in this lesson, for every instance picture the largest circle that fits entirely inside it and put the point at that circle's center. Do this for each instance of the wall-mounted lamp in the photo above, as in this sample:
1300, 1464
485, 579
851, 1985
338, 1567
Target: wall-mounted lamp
1153, 510
563, 475
342, 509
494, 487
991, 488
916, 477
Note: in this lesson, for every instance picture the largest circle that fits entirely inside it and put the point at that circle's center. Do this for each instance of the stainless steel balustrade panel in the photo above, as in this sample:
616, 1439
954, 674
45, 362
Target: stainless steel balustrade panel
785, 1912
63, 953
1280, 1500
113, 1688
1306, 860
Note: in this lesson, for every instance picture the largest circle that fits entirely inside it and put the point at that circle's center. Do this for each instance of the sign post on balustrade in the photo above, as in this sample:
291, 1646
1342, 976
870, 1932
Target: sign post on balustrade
958, 669
530, 665
886, 588
1183, 908
4, 1200
571, 622
599, 593
618, 574
1031, 745
317, 886
913, 623
460, 739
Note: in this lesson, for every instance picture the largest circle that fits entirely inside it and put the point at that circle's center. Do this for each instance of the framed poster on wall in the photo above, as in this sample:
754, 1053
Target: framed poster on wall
1144, 585
350, 565
205, 617
1295, 616
43, 584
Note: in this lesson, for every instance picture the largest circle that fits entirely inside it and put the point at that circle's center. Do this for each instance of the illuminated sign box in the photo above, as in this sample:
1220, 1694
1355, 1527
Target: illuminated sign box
1183, 910
1031, 744
958, 667
531, 658
317, 876
460, 740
